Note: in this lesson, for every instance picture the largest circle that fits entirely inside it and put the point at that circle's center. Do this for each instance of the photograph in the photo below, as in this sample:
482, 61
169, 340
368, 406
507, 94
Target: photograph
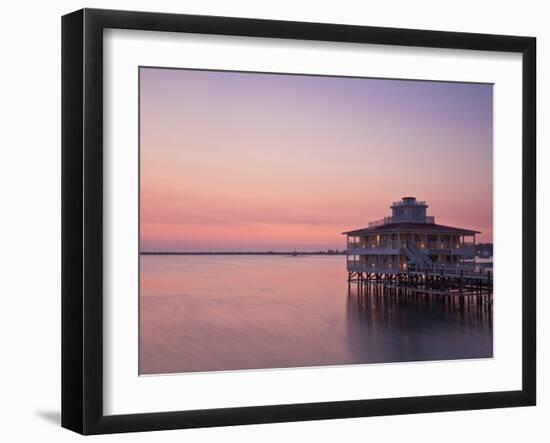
293, 220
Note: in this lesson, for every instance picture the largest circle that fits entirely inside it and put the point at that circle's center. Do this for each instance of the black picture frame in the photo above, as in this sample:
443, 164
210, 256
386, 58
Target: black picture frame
82, 218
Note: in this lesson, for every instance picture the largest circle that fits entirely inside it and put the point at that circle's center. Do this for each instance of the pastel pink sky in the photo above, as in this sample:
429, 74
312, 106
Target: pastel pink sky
253, 162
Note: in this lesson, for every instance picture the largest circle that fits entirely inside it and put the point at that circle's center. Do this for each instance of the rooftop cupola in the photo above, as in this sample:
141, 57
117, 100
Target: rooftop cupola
410, 210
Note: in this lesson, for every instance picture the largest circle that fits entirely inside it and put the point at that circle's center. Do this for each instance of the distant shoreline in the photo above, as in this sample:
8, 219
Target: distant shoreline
293, 253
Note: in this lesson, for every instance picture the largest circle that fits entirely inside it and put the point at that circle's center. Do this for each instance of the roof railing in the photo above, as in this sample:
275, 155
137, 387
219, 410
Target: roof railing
381, 222
387, 220
408, 203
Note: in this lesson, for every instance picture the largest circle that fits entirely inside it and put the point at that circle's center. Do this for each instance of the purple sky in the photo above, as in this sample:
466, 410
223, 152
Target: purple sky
261, 161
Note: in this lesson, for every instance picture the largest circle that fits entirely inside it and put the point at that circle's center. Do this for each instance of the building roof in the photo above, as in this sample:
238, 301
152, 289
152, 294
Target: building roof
411, 227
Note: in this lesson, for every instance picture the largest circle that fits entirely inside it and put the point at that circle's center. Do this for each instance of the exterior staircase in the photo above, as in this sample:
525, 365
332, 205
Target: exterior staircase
416, 256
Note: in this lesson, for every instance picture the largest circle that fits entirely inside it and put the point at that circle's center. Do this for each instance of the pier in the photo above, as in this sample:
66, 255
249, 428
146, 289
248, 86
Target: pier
429, 279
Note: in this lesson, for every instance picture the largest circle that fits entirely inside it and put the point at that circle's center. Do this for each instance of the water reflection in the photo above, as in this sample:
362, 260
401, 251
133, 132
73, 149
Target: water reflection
252, 312
396, 324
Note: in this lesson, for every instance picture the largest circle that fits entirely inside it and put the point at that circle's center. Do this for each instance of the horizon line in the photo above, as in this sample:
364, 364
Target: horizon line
317, 252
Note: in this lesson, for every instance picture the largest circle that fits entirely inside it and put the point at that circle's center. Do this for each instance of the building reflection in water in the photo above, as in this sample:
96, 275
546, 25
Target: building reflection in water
395, 324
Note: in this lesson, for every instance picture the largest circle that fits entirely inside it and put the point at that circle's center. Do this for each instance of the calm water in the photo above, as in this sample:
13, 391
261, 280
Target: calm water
209, 313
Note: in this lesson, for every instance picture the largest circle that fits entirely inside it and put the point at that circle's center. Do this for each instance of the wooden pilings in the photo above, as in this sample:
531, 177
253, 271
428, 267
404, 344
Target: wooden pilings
371, 294
473, 288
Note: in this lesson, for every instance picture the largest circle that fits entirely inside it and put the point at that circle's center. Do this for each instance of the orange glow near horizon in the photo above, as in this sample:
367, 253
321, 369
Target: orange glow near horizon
256, 162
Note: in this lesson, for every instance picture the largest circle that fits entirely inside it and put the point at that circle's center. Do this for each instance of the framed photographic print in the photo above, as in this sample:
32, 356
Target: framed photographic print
269, 221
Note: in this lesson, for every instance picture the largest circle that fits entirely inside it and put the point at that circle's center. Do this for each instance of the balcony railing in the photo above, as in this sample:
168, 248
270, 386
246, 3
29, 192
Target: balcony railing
396, 244
446, 268
448, 245
455, 269
393, 244
357, 266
